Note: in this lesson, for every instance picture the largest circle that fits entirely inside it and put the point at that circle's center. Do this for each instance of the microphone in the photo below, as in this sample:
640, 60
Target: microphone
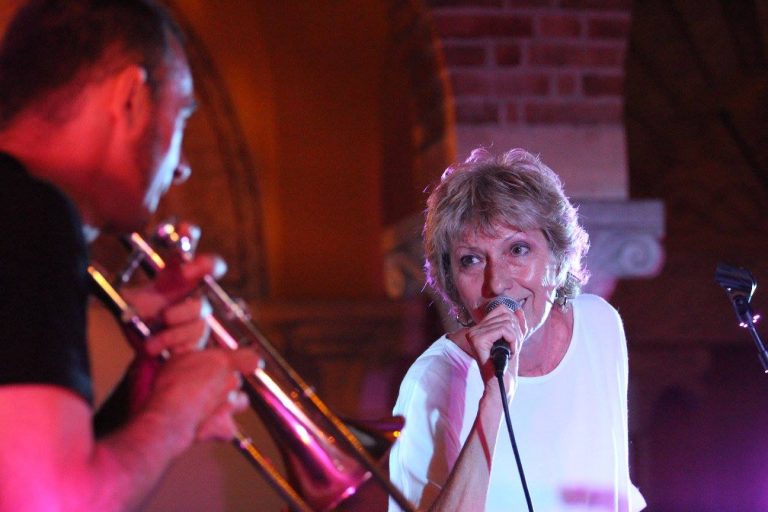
500, 352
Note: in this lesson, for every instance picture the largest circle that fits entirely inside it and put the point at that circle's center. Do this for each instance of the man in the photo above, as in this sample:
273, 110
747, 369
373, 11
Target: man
94, 95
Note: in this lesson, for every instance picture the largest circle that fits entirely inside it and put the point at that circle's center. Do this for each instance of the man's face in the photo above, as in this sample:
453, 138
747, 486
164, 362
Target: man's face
159, 154
145, 162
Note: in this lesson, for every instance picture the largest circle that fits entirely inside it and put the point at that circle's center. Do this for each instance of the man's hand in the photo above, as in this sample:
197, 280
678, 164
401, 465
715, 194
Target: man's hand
196, 390
199, 392
177, 312
173, 307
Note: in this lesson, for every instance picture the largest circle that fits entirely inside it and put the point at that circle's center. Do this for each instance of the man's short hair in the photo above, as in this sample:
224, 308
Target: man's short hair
50, 43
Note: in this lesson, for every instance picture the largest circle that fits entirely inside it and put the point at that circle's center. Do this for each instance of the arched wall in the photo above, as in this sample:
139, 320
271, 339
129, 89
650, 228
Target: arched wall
296, 177
308, 84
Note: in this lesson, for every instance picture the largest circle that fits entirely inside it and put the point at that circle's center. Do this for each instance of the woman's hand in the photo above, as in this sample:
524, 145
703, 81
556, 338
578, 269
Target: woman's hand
500, 323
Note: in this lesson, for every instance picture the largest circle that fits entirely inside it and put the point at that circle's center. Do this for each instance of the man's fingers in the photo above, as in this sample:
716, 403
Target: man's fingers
188, 310
179, 339
205, 264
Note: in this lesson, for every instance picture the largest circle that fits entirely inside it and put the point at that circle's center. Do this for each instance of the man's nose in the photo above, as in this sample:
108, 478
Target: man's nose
182, 171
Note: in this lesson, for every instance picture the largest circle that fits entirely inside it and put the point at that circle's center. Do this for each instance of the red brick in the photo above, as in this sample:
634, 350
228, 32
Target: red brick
464, 55
533, 84
464, 3
562, 54
608, 28
508, 54
603, 5
470, 82
519, 4
549, 54
603, 85
476, 112
560, 26
482, 25
605, 56
565, 85
512, 112
583, 112
511, 26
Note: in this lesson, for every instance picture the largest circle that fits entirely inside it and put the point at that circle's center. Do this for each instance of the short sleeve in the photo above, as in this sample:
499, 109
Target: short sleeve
43, 259
427, 449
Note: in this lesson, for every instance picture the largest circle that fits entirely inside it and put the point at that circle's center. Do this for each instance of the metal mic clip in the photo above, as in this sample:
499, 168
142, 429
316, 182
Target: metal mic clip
739, 284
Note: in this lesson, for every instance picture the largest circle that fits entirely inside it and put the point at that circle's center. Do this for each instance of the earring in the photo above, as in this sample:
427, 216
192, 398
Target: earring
561, 298
463, 318
565, 292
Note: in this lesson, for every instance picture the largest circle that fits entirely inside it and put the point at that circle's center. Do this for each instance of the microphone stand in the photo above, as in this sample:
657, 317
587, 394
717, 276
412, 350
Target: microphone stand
748, 322
739, 284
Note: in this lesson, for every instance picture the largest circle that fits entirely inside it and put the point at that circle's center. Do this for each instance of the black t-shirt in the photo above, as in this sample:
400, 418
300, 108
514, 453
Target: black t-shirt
43, 284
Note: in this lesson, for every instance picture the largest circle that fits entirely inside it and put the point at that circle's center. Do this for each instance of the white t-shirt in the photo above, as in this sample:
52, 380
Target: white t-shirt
570, 425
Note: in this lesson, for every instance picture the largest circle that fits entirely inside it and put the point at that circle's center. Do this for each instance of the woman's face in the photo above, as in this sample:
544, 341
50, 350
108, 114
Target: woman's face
510, 262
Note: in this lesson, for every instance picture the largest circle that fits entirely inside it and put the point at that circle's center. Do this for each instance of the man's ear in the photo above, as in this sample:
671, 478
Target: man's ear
131, 102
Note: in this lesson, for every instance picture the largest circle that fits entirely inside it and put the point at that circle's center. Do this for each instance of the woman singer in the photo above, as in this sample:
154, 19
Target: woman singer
501, 227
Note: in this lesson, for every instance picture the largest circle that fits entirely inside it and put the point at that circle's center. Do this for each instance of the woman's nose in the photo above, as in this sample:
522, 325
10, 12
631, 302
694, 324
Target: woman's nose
496, 280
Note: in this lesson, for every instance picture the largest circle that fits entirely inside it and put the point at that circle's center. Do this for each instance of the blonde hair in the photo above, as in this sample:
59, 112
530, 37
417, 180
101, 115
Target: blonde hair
515, 189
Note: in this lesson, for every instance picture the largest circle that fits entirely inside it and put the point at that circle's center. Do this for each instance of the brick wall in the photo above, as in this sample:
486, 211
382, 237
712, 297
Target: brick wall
534, 62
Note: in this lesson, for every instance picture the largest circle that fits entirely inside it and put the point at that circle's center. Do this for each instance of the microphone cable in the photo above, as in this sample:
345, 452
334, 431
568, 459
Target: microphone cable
500, 354
500, 379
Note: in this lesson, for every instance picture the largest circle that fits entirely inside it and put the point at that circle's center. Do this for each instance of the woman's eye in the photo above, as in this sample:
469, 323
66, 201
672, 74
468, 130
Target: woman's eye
520, 249
468, 260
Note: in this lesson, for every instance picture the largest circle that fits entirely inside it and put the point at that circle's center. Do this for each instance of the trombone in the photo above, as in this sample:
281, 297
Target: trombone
327, 459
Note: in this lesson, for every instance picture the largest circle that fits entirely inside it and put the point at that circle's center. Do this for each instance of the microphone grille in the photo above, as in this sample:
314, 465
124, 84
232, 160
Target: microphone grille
501, 300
